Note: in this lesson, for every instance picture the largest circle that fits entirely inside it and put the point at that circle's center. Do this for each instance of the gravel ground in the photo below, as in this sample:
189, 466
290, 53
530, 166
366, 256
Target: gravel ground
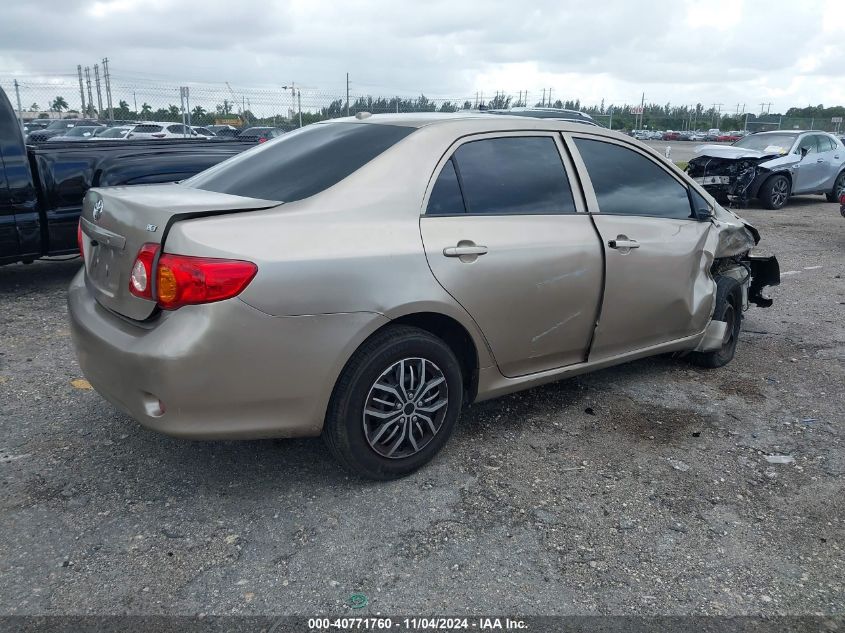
642, 489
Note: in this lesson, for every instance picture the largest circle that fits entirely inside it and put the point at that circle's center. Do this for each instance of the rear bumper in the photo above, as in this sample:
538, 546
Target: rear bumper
222, 370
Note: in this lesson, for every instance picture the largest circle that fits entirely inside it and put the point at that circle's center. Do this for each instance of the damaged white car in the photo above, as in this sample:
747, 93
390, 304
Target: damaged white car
771, 166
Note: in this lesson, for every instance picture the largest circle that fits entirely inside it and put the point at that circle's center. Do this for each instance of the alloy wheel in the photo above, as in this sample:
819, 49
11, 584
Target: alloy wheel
780, 190
405, 408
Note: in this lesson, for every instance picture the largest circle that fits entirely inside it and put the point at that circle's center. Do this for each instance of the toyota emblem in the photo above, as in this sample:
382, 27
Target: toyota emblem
98, 209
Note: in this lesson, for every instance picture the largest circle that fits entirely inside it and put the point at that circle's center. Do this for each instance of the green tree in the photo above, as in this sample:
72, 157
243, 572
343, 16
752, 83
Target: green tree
122, 111
34, 107
146, 108
59, 104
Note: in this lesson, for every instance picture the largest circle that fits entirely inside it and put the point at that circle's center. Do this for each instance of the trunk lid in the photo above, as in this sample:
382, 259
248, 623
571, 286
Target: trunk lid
117, 221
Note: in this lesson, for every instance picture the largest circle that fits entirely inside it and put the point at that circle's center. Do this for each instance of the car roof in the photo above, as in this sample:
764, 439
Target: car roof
474, 122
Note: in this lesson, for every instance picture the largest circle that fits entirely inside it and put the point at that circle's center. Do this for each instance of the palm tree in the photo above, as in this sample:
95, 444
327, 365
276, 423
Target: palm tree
58, 104
34, 107
198, 112
146, 108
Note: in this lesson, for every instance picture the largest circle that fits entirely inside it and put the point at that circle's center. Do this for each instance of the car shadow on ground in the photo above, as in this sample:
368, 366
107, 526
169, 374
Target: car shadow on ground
795, 202
43, 276
263, 466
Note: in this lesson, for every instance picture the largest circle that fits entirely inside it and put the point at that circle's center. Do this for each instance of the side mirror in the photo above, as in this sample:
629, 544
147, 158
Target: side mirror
703, 213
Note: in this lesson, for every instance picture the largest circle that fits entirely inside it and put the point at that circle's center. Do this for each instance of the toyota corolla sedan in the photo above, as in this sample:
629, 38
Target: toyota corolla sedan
363, 279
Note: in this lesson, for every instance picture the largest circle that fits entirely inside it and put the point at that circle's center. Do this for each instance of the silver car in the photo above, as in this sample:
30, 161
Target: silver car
365, 278
772, 166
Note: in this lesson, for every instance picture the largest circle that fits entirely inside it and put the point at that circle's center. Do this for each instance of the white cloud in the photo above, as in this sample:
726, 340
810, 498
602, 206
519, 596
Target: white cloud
684, 52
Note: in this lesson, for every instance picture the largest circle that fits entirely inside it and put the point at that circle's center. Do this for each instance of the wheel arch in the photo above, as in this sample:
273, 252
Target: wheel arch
780, 172
471, 353
456, 336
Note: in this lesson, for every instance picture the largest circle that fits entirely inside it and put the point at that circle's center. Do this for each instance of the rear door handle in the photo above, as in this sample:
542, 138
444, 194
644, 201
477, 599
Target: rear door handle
619, 244
459, 251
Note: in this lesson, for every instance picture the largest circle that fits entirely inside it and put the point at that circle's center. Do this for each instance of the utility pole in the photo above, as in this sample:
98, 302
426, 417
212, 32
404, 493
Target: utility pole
718, 112
610, 124
99, 93
642, 111
296, 96
768, 107
81, 89
185, 100
544, 98
90, 96
347, 94
550, 97
18, 96
108, 87
135, 101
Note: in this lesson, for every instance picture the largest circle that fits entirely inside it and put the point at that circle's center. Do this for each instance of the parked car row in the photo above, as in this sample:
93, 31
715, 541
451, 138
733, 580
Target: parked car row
712, 135
89, 129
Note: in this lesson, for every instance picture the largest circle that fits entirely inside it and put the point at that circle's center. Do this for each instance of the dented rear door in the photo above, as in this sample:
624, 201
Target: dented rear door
505, 236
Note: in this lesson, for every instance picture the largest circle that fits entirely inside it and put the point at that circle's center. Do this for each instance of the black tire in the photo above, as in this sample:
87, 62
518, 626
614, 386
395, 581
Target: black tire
838, 188
344, 429
728, 308
775, 192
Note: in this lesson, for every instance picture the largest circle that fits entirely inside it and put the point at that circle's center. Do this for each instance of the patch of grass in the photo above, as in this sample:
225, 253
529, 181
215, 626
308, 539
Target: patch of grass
682, 164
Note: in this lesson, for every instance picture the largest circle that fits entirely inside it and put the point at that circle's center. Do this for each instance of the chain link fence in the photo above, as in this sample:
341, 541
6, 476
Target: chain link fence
137, 99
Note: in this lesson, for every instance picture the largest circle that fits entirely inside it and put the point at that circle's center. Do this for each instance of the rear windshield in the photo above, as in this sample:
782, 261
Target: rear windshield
302, 163
147, 129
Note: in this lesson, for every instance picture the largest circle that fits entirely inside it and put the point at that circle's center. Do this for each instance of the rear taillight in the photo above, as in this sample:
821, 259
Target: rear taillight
842, 199
79, 238
141, 277
262, 140
182, 280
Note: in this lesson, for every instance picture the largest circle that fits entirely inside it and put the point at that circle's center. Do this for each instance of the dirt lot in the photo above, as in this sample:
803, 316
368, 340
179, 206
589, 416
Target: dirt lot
640, 489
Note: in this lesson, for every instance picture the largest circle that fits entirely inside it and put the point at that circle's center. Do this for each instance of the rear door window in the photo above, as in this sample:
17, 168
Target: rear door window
513, 176
147, 129
302, 163
627, 183
446, 198
825, 143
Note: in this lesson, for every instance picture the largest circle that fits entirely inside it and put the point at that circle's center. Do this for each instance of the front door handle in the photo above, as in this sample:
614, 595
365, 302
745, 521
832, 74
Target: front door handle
464, 249
625, 243
820, 160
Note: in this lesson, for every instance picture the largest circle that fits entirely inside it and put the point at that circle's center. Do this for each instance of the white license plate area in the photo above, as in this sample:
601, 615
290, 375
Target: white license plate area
713, 180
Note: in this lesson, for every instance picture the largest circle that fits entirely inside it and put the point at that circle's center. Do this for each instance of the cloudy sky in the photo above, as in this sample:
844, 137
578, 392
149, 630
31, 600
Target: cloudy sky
679, 51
